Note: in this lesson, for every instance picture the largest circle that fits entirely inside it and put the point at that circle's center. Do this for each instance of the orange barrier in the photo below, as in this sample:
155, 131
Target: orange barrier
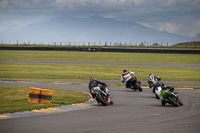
34, 95
46, 96
37, 95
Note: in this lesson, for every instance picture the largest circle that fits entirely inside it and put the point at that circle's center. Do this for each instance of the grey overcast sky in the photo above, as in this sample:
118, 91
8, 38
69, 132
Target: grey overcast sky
175, 16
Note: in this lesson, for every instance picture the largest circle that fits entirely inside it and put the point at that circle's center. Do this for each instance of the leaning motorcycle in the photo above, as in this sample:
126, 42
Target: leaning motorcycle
135, 84
102, 96
168, 95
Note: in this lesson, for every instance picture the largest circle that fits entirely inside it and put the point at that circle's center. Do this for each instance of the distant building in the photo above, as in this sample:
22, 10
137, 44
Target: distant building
156, 44
141, 44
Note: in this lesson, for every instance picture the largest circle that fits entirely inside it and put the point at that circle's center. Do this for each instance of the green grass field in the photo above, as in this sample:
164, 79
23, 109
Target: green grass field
15, 98
100, 56
84, 71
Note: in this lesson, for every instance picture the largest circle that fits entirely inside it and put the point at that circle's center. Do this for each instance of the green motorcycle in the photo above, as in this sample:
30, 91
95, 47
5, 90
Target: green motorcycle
168, 95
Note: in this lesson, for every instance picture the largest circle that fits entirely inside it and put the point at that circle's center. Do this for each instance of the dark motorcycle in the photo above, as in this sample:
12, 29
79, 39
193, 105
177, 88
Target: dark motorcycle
135, 84
102, 95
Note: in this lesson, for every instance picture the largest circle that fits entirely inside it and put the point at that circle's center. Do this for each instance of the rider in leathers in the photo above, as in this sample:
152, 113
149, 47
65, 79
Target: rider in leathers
126, 77
152, 81
94, 83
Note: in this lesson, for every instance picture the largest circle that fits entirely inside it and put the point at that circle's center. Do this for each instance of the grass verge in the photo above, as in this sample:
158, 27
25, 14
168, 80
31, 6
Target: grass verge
100, 56
15, 98
85, 71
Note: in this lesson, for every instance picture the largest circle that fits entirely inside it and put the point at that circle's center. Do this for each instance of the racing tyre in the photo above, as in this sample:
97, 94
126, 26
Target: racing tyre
157, 96
181, 103
101, 99
163, 102
149, 86
173, 102
138, 87
111, 102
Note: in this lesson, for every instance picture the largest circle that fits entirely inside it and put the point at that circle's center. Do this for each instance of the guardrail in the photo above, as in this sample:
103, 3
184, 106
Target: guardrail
106, 49
151, 50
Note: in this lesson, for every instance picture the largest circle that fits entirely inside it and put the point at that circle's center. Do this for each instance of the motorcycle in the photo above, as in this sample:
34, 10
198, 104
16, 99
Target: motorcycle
168, 95
135, 84
102, 96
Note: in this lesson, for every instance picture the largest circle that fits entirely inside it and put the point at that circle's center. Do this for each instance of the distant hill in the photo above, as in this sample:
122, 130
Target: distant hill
192, 44
197, 38
92, 29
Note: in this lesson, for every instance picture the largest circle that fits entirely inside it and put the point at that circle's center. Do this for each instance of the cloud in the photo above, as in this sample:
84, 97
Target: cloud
169, 27
168, 15
3, 3
104, 4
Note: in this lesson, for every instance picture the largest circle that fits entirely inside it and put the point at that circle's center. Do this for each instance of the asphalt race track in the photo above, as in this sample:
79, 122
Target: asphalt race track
132, 112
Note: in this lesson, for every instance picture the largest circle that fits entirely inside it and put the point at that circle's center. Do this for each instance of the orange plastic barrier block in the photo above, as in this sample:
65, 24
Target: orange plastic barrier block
34, 95
46, 96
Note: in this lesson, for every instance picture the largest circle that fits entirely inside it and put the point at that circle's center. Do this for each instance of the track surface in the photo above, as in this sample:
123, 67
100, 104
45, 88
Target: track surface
107, 81
138, 112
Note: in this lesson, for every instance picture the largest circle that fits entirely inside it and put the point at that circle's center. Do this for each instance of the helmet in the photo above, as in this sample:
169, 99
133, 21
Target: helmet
125, 70
92, 78
150, 76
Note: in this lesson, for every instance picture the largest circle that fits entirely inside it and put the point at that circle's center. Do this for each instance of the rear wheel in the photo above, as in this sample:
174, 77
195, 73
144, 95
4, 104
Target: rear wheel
111, 102
138, 87
102, 99
139, 82
173, 102
149, 86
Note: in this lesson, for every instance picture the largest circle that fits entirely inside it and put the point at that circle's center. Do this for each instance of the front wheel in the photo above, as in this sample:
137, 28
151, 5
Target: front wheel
157, 96
181, 103
163, 102
173, 102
